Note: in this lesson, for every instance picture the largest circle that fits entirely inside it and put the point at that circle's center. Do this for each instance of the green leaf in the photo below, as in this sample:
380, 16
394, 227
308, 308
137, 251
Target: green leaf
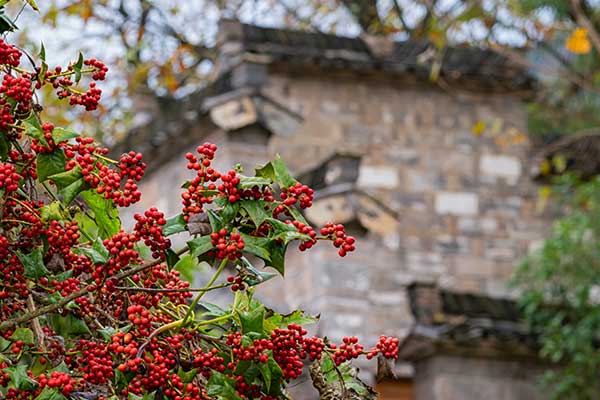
257, 246
188, 266
105, 213
174, 225
19, 378
256, 277
229, 212
187, 377
50, 164
171, 257
265, 171
200, 245
68, 326
216, 223
107, 332
42, 52
51, 212
256, 210
97, 253
77, 68
65, 178
34, 130
221, 386
50, 394
62, 134
265, 371
4, 344
24, 334
282, 175
71, 191
277, 251
33, 264
4, 147
212, 309
248, 182
252, 321
6, 24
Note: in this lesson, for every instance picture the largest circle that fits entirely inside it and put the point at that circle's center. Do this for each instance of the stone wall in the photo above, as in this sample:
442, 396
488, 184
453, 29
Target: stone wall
437, 203
447, 377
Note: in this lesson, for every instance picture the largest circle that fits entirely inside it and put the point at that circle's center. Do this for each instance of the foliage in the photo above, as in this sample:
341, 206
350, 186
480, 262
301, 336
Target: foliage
560, 287
85, 315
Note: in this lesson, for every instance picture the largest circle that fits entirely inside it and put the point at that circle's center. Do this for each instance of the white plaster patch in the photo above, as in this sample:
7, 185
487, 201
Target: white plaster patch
456, 203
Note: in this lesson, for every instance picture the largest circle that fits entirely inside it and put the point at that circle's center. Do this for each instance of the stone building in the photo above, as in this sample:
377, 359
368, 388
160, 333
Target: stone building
394, 155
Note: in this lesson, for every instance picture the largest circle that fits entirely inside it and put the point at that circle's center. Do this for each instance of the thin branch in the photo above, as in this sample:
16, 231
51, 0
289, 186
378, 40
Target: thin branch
171, 290
65, 300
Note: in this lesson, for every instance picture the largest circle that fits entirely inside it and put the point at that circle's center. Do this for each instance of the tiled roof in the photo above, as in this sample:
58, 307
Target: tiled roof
475, 66
464, 323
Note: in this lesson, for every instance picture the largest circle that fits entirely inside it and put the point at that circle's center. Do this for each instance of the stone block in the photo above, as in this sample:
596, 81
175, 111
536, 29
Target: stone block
457, 203
378, 176
500, 166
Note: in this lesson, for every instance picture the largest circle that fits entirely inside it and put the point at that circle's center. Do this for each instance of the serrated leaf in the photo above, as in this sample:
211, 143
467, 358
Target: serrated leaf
174, 225
229, 211
256, 277
216, 223
71, 191
65, 178
257, 246
42, 52
97, 252
187, 266
105, 213
50, 394
248, 182
51, 212
277, 251
6, 24
19, 378
265, 371
33, 264
4, 147
282, 175
68, 325
252, 321
34, 130
171, 258
50, 164
62, 134
24, 334
187, 376
256, 210
200, 245
213, 309
77, 68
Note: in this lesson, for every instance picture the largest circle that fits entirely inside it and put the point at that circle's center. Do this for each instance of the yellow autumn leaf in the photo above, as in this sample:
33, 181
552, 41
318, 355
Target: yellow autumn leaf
559, 162
545, 167
543, 195
578, 42
478, 128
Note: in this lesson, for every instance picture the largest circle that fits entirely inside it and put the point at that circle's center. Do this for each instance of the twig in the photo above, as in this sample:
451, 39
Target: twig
65, 300
173, 290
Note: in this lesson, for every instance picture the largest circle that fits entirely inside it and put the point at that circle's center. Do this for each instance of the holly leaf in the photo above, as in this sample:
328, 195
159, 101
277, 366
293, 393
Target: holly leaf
33, 264
50, 164
6, 24
24, 334
4, 147
97, 253
256, 210
229, 211
65, 178
187, 266
68, 326
105, 213
50, 394
248, 182
277, 251
19, 378
187, 376
71, 191
282, 175
62, 134
51, 212
256, 245
200, 245
252, 321
174, 225
216, 223
34, 130
77, 68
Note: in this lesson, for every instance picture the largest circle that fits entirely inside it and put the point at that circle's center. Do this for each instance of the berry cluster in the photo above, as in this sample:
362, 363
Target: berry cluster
306, 230
337, 233
148, 228
298, 193
9, 55
387, 346
237, 283
229, 188
195, 196
227, 245
9, 179
349, 349
19, 89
